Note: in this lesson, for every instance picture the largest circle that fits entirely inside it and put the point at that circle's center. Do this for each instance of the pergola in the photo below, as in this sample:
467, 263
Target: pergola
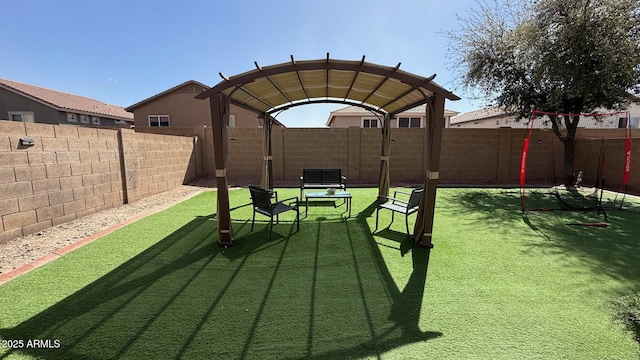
387, 91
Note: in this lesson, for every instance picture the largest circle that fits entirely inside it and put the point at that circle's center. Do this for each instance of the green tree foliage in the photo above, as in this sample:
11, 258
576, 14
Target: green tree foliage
560, 56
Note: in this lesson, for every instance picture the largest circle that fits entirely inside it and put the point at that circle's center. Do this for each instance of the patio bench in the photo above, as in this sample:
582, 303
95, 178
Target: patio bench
322, 179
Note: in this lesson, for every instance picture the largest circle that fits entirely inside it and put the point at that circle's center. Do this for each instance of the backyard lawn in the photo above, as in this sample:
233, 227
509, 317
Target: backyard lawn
497, 285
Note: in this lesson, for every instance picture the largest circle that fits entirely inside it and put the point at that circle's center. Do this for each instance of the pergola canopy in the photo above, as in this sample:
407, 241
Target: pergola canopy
382, 89
278, 87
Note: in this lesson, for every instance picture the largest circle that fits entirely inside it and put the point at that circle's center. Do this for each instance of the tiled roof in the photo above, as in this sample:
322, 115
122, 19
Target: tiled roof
485, 113
67, 102
350, 109
166, 92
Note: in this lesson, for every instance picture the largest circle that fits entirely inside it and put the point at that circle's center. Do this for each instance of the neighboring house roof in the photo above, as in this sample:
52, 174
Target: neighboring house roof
173, 89
166, 92
358, 111
66, 102
486, 113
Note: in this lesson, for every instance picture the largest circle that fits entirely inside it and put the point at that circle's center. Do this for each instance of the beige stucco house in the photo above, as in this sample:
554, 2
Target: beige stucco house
178, 107
493, 117
351, 116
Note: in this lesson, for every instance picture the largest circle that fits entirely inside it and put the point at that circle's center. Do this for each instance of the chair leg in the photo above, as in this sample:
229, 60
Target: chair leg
253, 219
270, 228
406, 222
392, 215
377, 210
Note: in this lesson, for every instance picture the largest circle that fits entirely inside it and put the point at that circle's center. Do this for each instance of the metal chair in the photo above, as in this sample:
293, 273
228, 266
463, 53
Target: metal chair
407, 207
261, 200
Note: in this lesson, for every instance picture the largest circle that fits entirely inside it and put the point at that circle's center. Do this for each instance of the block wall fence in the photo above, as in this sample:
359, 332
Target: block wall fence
71, 172
469, 156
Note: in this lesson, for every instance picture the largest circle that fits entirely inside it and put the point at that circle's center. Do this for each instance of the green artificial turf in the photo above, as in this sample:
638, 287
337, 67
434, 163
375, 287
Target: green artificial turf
499, 284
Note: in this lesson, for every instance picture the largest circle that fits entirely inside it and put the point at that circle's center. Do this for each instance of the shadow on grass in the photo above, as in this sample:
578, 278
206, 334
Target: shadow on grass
613, 250
322, 293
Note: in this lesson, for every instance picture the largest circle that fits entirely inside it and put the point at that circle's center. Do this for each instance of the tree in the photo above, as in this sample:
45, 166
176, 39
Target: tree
559, 56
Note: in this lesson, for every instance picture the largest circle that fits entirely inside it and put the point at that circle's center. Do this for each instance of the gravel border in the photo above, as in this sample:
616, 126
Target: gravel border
24, 250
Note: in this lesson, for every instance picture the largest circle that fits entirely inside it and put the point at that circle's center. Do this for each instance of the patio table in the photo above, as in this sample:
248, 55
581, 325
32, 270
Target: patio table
345, 195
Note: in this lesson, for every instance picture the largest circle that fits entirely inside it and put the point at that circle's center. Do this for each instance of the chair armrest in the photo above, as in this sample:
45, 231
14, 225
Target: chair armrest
395, 193
392, 199
395, 200
290, 198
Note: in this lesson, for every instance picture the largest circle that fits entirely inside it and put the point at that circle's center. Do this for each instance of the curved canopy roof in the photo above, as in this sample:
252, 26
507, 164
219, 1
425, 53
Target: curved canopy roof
278, 87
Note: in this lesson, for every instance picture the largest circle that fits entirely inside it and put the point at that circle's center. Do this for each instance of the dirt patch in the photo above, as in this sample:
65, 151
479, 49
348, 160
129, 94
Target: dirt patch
26, 249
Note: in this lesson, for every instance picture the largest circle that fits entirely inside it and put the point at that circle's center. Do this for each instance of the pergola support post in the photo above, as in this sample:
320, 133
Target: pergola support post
219, 113
433, 144
383, 188
267, 166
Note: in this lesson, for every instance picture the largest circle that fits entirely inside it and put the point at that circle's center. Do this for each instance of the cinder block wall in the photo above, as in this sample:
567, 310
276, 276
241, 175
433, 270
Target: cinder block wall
155, 163
245, 154
71, 172
369, 153
314, 148
469, 156
407, 154
203, 162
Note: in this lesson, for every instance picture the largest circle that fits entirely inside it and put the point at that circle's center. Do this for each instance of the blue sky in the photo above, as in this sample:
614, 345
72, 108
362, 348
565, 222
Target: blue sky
121, 52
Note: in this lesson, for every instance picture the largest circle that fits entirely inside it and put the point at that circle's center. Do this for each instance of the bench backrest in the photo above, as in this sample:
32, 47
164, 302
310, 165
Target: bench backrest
322, 176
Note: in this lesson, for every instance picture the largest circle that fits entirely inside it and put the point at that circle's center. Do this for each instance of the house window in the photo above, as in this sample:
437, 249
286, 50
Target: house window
118, 122
72, 118
84, 119
95, 120
232, 121
622, 123
23, 116
634, 122
158, 120
406, 122
370, 123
